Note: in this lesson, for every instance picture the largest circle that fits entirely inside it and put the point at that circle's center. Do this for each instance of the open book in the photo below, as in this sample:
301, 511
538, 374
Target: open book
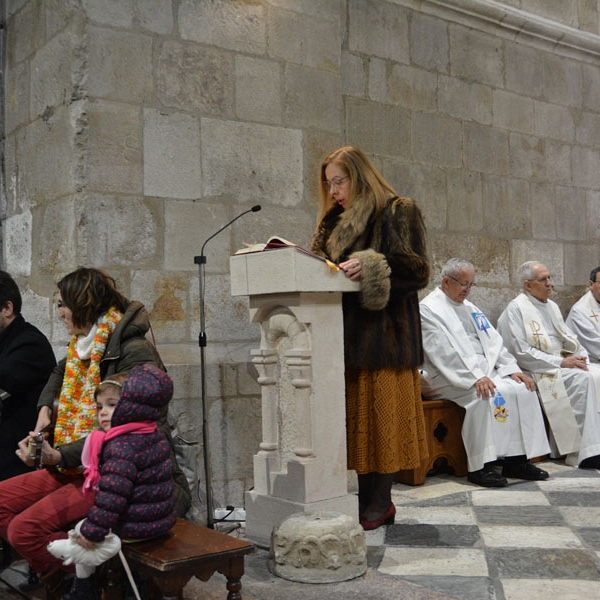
275, 242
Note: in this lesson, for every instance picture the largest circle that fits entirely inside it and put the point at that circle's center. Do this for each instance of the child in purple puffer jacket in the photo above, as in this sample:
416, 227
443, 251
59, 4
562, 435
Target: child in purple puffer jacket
128, 466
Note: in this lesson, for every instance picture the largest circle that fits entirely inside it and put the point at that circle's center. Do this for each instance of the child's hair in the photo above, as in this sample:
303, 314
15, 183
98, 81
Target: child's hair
115, 380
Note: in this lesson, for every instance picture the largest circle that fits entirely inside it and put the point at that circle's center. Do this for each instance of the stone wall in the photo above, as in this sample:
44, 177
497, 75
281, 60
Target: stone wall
136, 128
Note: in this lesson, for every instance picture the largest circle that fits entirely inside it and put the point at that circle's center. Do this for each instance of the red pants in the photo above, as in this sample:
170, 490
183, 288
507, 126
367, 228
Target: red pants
37, 508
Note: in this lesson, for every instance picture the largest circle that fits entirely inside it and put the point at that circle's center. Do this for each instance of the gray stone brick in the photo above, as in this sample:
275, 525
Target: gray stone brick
523, 70
554, 121
591, 87
413, 88
579, 259
115, 152
512, 111
558, 162
527, 157
377, 80
562, 81
353, 75
171, 155
588, 129
543, 211
288, 33
564, 11
486, 149
476, 56
592, 220
151, 16
378, 29
548, 252
429, 43
252, 162
469, 101
17, 244
329, 10
312, 98
586, 167
465, 203
195, 79
258, 90
120, 65
378, 128
508, 207
29, 24
572, 208
240, 26
16, 96
436, 139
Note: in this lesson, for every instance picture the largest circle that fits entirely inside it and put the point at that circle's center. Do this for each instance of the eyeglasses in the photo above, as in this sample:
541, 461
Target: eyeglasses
542, 280
464, 286
335, 183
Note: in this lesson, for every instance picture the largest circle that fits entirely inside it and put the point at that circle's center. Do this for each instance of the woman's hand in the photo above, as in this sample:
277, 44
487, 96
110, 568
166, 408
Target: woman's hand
352, 269
44, 418
50, 456
23, 452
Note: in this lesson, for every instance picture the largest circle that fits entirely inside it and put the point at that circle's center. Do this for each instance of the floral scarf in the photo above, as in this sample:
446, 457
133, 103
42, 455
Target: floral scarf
76, 405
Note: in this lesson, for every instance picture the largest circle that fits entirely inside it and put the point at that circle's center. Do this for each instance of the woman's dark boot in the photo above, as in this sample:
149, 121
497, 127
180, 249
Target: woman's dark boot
365, 491
381, 509
82, 589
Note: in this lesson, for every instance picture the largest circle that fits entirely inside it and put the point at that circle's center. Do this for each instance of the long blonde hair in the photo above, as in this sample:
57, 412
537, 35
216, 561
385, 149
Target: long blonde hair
365, 179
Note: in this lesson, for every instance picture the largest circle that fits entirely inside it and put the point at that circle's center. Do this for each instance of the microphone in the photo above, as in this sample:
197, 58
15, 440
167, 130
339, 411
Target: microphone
255, 208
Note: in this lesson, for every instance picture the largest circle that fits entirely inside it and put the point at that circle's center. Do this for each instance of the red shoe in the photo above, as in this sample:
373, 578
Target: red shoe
387, 518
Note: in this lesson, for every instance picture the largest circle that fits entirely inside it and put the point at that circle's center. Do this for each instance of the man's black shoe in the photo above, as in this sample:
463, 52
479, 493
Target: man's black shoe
593, 462
486, 478
524, 470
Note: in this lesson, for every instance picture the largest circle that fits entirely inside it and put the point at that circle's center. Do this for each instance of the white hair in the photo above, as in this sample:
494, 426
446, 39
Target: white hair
455, 266
526, 272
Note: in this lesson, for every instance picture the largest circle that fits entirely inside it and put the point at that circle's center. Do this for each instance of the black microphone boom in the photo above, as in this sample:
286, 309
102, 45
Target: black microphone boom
201, 262
255, 208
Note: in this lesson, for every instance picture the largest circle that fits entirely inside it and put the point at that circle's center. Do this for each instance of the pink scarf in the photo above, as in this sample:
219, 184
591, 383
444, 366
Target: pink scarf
92, 449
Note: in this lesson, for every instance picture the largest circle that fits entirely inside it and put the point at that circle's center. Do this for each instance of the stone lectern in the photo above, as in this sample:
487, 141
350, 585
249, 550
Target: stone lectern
301, 463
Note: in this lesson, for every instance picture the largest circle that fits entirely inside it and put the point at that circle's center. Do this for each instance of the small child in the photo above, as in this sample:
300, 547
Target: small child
128, 466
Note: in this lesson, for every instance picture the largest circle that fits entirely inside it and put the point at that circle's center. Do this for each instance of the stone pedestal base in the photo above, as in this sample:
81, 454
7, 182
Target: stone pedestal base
320, 547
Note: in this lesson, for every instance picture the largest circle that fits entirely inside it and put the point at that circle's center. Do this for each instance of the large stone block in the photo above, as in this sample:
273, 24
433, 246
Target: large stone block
413, 88
465, 202
558, 162
329, 10
588, 129
258, 90
36, 308
17, 244
252, 163
378, 29
586, 167
195, 79
580, 259
527, 156
353, 75
24, 32
486, 149
469, 101
120, 65
16, 96
312, 98
554, 121
593, 215
572, 208
377, 82
476, 56
543, 211
562, 81
429, 43
436, 139
115, 148
378, 128
508, 207
155, 16
239, 26
523, 70
171, 155
548, 252
512, 111
288, 35
591, 87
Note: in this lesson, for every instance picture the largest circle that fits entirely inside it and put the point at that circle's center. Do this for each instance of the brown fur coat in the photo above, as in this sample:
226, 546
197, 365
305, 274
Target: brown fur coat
382, 327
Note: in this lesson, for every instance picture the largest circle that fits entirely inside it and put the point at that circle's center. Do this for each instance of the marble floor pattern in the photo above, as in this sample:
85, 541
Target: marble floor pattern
455, 540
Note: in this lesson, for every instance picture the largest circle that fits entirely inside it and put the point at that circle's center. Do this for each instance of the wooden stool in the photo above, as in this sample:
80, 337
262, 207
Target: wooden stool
443, 425
167, 563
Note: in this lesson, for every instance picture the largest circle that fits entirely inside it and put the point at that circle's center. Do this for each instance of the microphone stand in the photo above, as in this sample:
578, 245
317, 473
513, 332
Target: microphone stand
201, 262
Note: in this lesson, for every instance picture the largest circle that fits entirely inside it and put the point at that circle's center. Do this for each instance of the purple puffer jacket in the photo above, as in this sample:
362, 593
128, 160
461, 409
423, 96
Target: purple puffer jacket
135, 495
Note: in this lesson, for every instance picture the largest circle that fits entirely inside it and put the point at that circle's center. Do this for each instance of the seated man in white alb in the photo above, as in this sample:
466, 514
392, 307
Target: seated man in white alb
466, 362
535, 333
584, 318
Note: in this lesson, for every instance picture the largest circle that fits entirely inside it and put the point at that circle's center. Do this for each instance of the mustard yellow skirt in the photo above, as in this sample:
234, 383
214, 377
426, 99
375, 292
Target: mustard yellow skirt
384, 420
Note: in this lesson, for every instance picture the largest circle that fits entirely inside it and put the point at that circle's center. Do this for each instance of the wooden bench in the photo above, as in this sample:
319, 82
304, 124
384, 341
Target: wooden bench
443, 426
166, 564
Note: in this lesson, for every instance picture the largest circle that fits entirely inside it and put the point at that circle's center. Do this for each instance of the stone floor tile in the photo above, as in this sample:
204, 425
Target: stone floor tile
447, 515
568, 484
519, 515
528, 537
574, 498
466, 562
590, 537
465, 588
534, 563
494, 497
439, 536
580, 516
542, 589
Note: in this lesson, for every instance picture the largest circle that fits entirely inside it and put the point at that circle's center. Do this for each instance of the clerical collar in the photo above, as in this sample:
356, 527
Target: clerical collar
534, 299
